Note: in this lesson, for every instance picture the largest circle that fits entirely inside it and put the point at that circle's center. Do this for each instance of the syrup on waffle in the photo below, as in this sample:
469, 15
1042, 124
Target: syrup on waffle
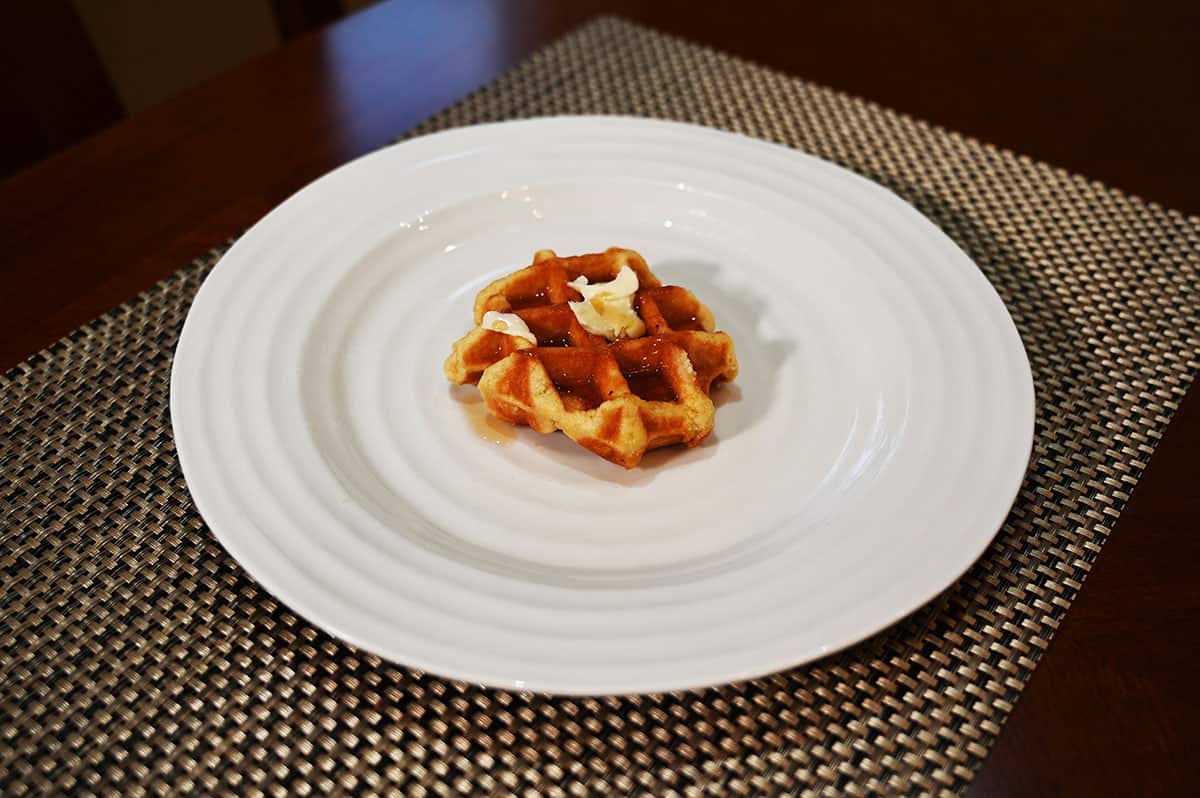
618, 398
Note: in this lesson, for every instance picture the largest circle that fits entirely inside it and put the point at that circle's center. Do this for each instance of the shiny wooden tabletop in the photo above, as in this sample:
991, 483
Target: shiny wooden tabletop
1111, 90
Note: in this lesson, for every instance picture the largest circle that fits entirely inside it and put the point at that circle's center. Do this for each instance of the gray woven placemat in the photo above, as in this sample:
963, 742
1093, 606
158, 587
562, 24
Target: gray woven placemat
137, 656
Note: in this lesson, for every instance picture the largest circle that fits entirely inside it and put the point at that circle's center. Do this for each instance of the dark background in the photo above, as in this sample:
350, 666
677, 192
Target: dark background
1109, 89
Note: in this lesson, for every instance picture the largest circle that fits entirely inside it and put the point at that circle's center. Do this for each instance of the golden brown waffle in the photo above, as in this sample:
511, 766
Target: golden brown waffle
544, 282
618, 399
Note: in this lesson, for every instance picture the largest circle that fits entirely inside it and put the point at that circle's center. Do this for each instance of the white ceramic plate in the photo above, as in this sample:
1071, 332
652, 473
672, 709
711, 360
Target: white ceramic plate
866, 455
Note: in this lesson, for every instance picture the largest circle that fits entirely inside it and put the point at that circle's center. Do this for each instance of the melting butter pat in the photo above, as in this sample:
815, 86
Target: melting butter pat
607, 308
509, 324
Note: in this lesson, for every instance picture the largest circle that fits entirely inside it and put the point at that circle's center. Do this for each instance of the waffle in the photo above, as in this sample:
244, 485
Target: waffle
618, 399
544, 282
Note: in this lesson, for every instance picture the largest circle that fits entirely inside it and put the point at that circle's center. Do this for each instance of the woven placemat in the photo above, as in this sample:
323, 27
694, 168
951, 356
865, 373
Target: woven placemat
138, 657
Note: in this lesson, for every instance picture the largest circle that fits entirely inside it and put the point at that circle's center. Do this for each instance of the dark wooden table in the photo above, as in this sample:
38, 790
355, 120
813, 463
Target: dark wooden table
1107, 89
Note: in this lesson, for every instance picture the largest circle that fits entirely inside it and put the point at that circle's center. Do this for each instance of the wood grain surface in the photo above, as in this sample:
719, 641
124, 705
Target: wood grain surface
1111, 90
